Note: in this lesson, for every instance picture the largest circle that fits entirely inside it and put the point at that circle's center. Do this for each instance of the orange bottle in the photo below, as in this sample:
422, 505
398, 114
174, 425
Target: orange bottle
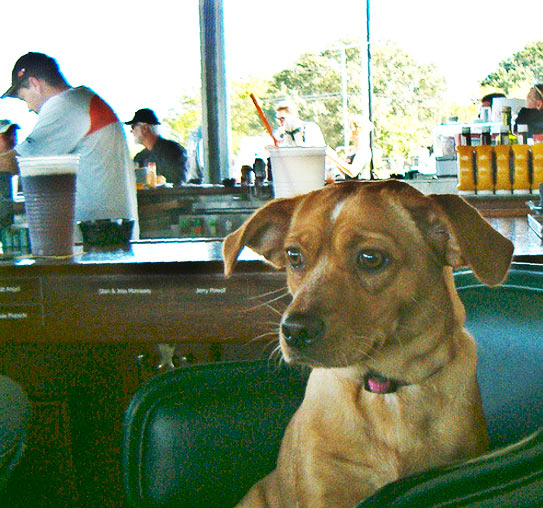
466, 171
485, 180
502, 155
521, 169
151, 174
537, 166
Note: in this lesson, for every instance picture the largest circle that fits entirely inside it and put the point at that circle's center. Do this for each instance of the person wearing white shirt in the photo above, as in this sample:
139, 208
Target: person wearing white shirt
293, 131
77, 121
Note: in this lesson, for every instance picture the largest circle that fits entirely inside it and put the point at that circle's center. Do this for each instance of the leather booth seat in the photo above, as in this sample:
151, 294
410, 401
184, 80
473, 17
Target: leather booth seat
201, 436
14, 417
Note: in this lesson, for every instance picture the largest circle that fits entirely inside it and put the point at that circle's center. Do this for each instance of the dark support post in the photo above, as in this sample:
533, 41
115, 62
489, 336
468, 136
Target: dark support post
215, 108
370, 115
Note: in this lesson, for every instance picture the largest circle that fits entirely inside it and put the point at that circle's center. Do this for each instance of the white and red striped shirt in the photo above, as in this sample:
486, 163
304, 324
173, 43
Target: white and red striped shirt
77, 121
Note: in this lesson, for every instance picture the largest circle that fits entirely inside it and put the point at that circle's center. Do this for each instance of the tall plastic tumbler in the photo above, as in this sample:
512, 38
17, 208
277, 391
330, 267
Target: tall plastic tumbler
297, 169
49, 185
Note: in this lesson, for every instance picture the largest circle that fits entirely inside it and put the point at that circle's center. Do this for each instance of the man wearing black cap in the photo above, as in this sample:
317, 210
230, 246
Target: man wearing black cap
77, 121
170, 157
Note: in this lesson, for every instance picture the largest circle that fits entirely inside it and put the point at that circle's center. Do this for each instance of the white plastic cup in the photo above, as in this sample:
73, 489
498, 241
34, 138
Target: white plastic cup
49, 185
297, 169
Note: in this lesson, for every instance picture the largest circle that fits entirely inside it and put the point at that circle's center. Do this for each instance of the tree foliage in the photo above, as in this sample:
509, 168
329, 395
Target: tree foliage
520, 71
186, 118
407, 99
244, 119
407, 96
314, 83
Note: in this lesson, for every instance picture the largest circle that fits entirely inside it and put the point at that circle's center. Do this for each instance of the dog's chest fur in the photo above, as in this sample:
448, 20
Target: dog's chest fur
372, 438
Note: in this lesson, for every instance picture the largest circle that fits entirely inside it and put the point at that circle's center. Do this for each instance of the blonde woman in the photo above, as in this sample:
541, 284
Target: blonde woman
359, 157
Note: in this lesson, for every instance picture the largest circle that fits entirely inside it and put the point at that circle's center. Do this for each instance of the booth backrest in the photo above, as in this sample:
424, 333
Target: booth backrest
507, 323
201, 436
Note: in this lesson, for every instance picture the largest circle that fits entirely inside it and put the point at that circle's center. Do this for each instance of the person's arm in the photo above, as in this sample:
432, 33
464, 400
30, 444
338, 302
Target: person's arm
177, 161
8, 162
360, 164
183, 164
140, 159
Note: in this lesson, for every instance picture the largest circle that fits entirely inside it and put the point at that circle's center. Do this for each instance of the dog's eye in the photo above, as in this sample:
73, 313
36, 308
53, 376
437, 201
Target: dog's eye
295, 257
373, 260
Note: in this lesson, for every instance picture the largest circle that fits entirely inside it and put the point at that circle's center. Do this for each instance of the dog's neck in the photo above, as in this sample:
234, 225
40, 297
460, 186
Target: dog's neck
377, 383
442, 334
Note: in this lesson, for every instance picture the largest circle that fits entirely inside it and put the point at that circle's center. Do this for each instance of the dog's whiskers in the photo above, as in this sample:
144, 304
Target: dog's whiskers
272, 323
262, 335
273, 309
283, 290
266, 303
366, 355
276, 356
369, 342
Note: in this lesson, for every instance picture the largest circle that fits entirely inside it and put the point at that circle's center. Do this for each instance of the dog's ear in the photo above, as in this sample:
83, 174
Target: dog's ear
474, 242
263, 232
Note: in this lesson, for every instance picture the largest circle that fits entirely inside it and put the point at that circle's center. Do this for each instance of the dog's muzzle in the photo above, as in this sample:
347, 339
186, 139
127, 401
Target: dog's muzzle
302, 329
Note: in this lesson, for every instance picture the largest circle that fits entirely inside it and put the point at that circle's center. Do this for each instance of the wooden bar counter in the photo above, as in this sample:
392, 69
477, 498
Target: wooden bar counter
82, 334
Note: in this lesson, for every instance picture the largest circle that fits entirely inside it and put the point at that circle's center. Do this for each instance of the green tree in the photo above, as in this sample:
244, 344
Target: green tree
314, 83
186, 118
408, 101
407, 96
244, 118
518, 72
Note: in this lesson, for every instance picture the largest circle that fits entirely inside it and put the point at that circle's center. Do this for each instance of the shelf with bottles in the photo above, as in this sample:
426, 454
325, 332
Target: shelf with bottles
500, 169
448, 136
210, 225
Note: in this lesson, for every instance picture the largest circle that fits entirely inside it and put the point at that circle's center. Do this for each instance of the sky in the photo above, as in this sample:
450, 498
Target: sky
136, 54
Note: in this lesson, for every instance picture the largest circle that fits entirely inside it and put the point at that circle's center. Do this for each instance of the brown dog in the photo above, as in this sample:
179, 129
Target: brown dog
375, 313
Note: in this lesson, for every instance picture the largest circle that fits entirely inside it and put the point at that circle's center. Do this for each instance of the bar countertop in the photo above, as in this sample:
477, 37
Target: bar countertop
528, 248
157, 290
157, 253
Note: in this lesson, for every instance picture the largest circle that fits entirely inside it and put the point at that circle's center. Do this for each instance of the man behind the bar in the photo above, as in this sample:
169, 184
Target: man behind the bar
168, 155
292, 130
77, 121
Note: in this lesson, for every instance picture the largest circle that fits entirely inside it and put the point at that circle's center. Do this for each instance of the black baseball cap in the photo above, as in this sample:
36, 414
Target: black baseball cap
144, 116
31, 64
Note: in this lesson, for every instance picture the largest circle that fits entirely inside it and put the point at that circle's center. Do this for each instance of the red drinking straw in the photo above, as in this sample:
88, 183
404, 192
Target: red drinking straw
263, 118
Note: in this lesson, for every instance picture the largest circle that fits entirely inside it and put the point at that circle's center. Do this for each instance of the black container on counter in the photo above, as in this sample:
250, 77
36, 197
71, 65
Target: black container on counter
485, 136
465, 136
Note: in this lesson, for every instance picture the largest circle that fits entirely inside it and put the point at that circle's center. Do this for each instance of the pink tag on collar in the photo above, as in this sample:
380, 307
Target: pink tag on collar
375, 383
379, 385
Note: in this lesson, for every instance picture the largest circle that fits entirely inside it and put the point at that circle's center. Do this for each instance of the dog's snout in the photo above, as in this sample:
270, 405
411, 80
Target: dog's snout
301, 329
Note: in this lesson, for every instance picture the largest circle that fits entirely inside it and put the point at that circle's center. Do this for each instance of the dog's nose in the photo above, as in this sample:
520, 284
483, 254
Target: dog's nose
301, 329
